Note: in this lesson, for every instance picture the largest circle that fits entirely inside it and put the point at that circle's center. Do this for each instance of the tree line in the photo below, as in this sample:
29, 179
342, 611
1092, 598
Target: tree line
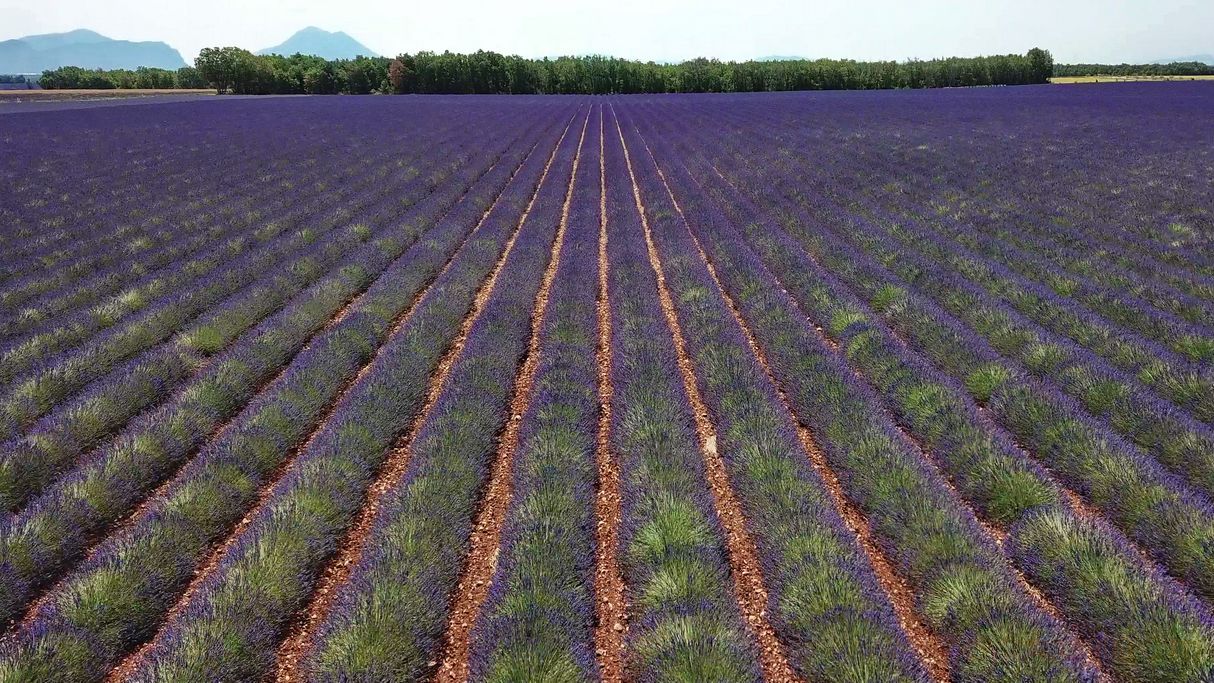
230, 69
1173, 69
143, 78
489, 72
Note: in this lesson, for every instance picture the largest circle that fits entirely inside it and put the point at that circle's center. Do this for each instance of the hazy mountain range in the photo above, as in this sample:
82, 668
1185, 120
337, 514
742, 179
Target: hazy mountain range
1204, 59
89, 49
33, 54
315, 41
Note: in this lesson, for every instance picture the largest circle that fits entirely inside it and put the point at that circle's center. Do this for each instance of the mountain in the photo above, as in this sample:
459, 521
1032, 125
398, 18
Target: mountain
780, 58
89, 49
48, 41
315, 41
1204, 59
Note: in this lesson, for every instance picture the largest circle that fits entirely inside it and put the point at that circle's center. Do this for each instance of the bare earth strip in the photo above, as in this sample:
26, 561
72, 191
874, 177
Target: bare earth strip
930, 648
485, 543
1071, 498
132, 662
612, 610
339, 567
749, 588
818, 458
161, 492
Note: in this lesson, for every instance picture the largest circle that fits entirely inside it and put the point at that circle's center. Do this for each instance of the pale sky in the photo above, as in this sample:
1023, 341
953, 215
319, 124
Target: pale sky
664, 30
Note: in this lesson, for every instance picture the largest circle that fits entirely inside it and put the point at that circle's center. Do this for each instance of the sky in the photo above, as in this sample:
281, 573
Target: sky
661, 30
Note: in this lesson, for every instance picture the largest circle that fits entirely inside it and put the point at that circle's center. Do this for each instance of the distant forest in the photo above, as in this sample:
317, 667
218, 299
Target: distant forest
17, 81
74, 77
1173, 69
239, 71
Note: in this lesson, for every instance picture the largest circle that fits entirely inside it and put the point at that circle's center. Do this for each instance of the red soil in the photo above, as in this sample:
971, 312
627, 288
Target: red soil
612, 607
299, 641
485, 543
749, 588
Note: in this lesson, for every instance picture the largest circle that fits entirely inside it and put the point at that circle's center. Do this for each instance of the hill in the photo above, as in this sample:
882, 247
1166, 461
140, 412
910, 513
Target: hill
1204, 59
84, 48
315, 41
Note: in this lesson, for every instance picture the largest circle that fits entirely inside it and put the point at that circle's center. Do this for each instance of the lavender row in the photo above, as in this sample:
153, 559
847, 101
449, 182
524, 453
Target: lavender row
218, 486
991, 238
89, 205
1080, 217
29, 464
389, 617
964, 590
27, 360
293, 182
1093, 187
1111, 276
1021, 276
130, 285
94, 223
56, 230
107, 403
1167, 373
1149, 504
1042, 315
1190, 342
684, 622
58, 525
40, 380
1183, 444
1176, 439
943, 169
33, 357
804, 547
188, 246
1039, 229
1185, 330
209, 334
371, 171
1146, 631
148, 245
240, 611
927, 405
982, 461
1081, 258
536, 623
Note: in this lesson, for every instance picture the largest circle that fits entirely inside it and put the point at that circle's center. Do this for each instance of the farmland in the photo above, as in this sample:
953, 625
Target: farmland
865, 386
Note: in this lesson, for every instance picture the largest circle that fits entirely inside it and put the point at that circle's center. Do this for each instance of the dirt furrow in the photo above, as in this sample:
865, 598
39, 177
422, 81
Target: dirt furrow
131, 662
337, 571
158, 494
749, 588
996, 534
930, 648
611, 608
485, 542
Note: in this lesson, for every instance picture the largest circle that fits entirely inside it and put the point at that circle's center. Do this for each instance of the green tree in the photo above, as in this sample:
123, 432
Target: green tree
227, 68
1041, 65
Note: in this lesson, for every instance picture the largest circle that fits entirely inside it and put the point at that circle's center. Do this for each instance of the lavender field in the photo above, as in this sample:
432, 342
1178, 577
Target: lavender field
838, 386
